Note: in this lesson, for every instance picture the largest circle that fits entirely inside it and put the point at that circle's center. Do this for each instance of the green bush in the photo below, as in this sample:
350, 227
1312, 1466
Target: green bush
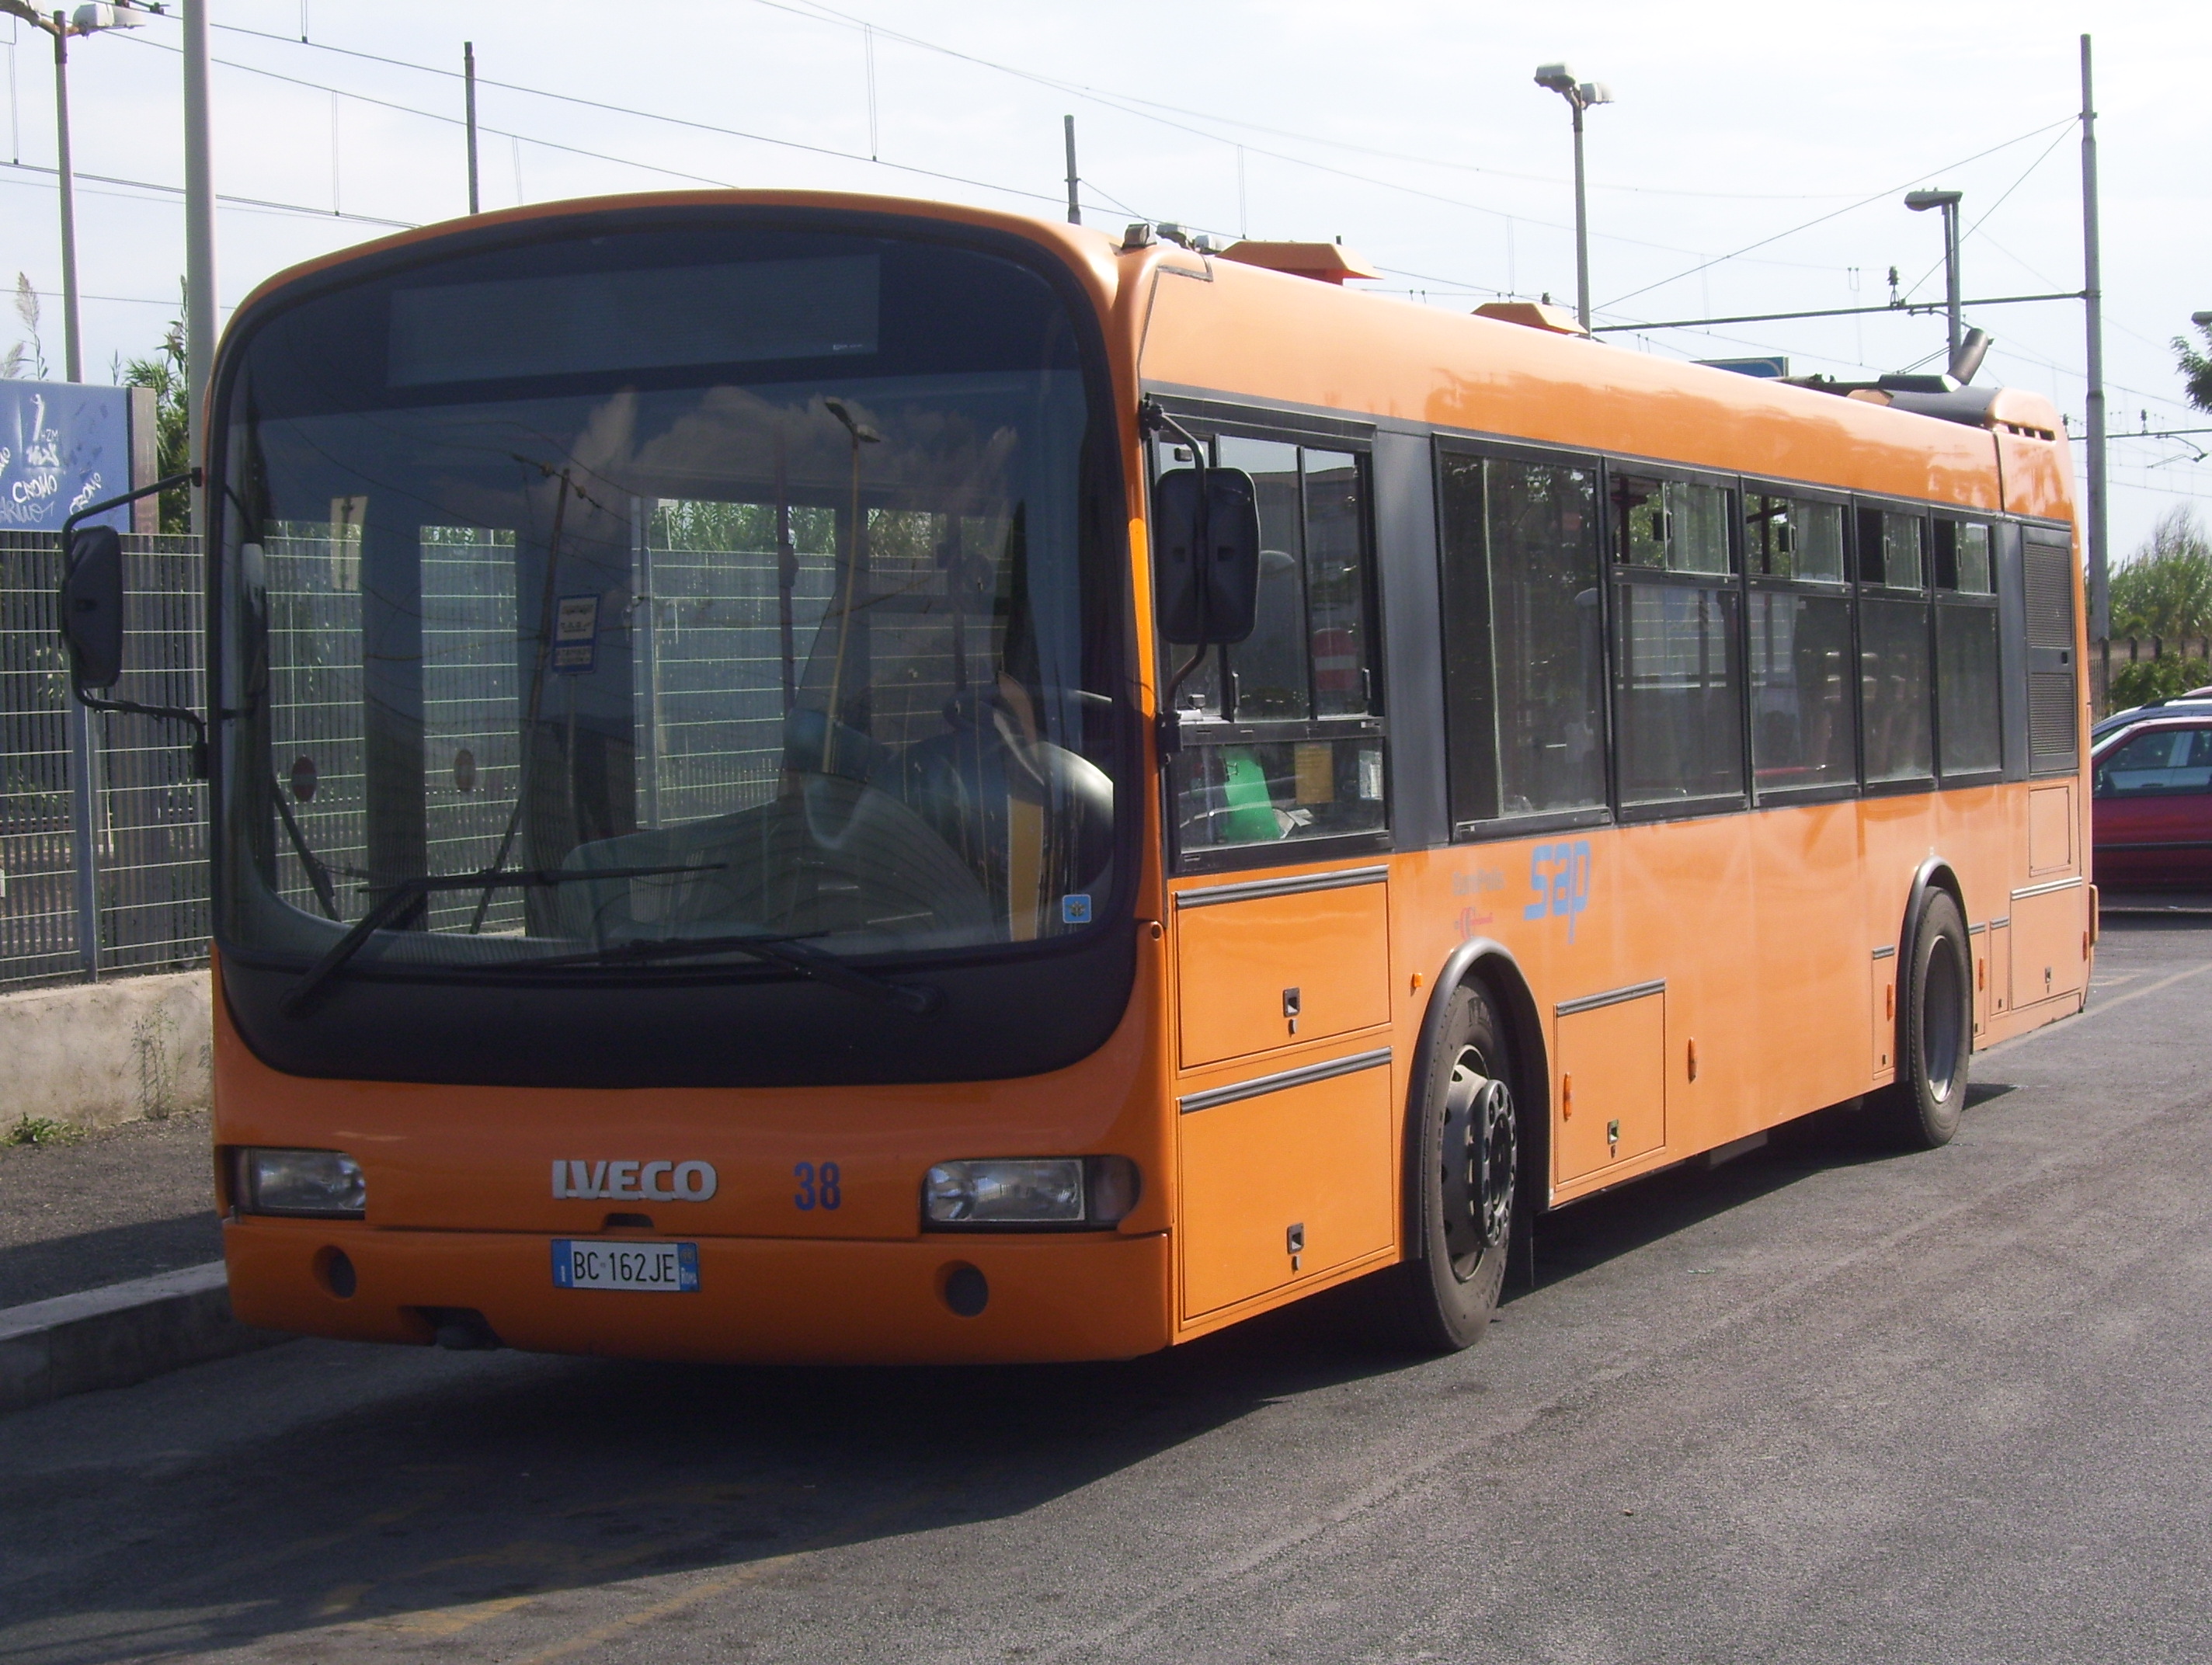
2165, 588
2146, 680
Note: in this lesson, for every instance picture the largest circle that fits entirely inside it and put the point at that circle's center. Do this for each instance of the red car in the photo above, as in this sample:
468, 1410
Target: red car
2151, 820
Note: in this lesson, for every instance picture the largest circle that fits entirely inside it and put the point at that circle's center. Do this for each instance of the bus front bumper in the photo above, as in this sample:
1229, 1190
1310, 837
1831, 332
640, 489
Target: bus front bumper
759, 1300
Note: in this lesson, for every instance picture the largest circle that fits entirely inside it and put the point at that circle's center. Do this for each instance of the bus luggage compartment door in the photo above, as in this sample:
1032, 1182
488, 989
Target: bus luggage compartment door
1259, 967
1612, 1101
1284, 1177
2049, 941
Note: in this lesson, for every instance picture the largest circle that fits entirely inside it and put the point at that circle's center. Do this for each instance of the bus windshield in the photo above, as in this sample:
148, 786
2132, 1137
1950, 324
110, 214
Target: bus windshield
688, 585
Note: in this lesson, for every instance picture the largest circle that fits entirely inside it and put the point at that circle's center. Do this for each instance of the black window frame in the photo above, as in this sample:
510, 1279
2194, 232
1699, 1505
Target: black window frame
1953, 598
1209, 422
1503, 825
2055, 540
1618, 573
1864, 590
1844, 589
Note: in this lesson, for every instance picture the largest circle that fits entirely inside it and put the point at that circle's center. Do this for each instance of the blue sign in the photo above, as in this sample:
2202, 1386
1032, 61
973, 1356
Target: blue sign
62, 445
1767, 369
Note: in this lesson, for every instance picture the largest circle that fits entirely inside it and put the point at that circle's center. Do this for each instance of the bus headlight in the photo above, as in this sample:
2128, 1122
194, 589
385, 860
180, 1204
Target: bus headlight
1029, 1191
325, 1183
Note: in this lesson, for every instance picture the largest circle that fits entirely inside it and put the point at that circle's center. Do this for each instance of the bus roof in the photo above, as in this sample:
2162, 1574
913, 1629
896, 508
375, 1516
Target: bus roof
1246, 332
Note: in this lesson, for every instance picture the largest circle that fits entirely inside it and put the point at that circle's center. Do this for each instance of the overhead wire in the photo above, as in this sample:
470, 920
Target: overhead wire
597, 155
1863, 201
1986, 214
223, 198
1109, 100
1130, 104
1135, 104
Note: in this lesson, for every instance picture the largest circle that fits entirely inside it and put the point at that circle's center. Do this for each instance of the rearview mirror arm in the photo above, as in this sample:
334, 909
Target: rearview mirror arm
1154, 420
175, 714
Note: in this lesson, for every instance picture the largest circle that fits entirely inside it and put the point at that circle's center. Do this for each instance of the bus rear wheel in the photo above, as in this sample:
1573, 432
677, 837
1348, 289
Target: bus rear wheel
1935, 1029
1465, 1176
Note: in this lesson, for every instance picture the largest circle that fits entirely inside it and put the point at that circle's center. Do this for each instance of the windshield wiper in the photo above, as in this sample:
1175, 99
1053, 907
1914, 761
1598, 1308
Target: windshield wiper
401, 902
789, 953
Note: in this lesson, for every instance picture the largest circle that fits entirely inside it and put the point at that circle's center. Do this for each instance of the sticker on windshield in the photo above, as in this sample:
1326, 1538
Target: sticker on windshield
1075, 909
576, 634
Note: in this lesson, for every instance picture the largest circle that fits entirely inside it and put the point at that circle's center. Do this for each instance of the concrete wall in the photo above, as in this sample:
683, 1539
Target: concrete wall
97, 1053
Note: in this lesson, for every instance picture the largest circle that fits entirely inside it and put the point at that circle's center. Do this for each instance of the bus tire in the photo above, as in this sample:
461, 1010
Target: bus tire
1935, 1029
1465, 1174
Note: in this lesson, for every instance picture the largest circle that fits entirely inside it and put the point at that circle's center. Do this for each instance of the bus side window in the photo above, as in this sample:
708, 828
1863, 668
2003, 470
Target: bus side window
1678, 663
1524, 669
1288, 744
1896, 675
1969, 695
1803, 715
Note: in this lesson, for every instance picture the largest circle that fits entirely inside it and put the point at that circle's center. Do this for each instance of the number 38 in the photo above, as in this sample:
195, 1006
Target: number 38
818, 1187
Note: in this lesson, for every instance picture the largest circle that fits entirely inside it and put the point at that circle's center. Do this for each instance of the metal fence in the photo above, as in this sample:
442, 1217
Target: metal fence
103, 831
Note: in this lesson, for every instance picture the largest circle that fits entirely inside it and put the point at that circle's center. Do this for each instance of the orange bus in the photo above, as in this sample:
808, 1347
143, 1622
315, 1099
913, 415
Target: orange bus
812, 777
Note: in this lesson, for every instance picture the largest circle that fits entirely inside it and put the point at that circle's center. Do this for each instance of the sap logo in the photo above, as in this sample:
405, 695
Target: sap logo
658, 1182
1559, 874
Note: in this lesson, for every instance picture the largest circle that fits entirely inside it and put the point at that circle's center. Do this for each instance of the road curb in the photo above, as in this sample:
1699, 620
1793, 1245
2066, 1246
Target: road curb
113, 1337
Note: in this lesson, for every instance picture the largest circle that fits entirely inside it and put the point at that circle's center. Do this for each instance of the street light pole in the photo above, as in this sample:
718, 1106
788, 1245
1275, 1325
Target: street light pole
1920, 202
469, 79
1581, 227
199, 247
72, 354
1579, 95
89, 20
1951, 275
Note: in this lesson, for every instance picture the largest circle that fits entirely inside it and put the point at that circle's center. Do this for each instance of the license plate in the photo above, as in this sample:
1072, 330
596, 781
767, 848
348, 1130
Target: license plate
597, 1264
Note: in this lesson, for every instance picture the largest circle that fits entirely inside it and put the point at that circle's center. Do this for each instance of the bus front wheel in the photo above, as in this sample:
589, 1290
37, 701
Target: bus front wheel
1935, 1029
1465, 1175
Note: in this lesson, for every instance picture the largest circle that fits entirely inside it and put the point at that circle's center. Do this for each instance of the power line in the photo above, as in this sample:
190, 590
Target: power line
1904, 307
2035, 132
599, 155
1992, 208
1109, 100
235, 202
1132, 104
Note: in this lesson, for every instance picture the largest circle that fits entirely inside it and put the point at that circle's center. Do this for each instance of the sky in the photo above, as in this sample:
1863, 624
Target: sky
1754, 160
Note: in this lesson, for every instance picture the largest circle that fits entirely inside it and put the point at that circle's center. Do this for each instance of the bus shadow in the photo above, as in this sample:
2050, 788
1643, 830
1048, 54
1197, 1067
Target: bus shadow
474, 1502
1587, 1235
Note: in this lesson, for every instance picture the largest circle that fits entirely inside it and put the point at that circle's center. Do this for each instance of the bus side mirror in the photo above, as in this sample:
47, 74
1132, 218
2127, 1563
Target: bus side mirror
92, 608
1205, 536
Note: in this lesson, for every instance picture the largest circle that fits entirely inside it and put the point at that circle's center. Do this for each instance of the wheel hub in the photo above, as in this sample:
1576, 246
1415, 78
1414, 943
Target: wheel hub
1481, 1162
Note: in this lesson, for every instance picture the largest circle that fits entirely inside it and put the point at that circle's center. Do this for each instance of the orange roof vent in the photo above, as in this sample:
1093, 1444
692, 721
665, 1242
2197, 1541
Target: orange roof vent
1533, 315
1328, 263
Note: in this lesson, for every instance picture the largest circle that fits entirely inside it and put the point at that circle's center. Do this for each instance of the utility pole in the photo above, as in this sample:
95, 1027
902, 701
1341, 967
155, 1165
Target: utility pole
469, 79
2093, 298
122, 15
84, 760
72, 354
1074, 206
199, 248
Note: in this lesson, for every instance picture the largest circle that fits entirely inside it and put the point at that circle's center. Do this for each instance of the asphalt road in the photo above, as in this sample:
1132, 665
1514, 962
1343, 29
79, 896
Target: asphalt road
1825, 1403
122, 1202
